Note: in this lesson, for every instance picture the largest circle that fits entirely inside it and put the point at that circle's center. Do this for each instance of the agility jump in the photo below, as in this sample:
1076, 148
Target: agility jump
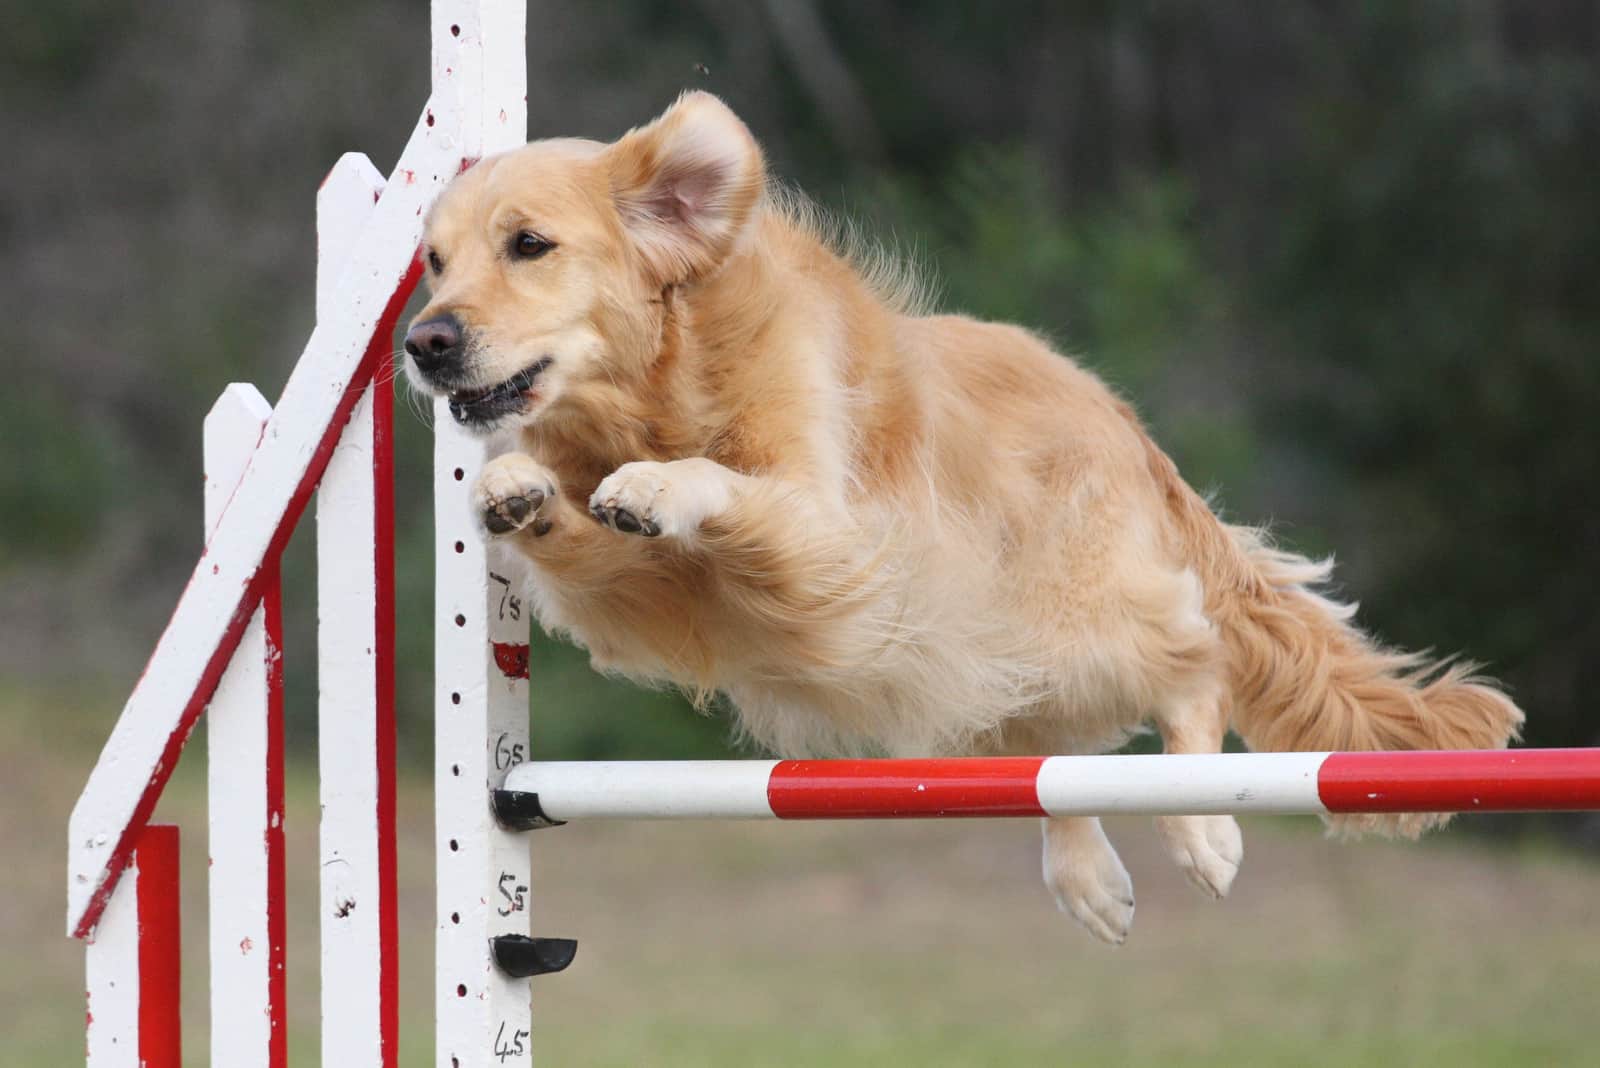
330, 434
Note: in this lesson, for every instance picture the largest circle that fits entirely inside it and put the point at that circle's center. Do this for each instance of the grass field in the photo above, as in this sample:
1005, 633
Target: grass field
888, 945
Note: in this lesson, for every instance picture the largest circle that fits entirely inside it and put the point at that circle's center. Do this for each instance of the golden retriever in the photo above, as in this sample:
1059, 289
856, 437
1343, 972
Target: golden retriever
742, 462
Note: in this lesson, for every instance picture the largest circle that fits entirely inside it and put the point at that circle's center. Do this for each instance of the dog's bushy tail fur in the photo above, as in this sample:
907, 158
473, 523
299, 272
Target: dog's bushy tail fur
1304, 677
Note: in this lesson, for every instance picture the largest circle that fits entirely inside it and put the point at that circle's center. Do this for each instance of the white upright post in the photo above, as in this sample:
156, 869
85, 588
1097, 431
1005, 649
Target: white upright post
355, 712
480, 621
244, 778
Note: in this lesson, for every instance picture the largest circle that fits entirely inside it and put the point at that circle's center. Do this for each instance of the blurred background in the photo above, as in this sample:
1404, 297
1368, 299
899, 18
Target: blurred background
1341, 256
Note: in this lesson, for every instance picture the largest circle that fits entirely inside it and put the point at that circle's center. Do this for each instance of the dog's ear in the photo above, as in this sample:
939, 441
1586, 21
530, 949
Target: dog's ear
686, 186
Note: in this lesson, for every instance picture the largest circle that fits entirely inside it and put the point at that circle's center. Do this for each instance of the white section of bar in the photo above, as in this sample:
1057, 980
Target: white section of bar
112, 963
648, 789
1178, 784
348, 913
483, 1018
237, 743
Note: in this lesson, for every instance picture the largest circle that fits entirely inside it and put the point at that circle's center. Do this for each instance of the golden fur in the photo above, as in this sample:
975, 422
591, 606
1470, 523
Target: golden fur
878, 532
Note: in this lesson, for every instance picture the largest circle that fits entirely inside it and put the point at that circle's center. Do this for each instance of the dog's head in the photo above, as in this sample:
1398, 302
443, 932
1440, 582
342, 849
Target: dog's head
547, 265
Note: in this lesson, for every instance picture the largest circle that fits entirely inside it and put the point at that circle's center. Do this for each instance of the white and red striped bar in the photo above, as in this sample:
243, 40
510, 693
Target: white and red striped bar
1522, 780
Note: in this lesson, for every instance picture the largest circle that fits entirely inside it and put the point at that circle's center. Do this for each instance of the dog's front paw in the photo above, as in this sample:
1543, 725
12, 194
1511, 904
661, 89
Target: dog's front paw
513, 493
668, 500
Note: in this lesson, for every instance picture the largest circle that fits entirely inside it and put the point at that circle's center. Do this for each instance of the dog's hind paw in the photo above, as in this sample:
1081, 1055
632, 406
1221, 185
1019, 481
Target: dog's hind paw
514, 493
1207, 849
1094, 889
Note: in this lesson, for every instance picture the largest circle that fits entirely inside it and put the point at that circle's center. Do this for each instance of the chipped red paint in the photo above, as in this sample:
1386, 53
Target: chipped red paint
160, 948
249, 597
1516, 780
887, 789
512, 659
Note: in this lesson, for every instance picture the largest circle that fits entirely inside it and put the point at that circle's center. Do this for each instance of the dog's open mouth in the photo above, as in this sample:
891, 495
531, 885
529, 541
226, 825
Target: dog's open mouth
478, 406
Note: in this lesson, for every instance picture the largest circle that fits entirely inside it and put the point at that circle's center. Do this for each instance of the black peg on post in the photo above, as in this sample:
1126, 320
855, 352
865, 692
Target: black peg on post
519, 810
522, 957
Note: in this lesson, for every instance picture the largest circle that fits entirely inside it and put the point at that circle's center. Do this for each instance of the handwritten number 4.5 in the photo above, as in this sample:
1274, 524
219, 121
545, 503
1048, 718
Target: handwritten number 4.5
517, 1047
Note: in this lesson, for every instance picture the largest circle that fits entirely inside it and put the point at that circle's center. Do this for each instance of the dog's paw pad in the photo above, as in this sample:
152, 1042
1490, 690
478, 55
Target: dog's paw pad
626, 501
510, 494
511, 513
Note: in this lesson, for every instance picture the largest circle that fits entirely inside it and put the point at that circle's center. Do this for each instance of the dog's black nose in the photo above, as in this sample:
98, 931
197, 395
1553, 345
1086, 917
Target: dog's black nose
435, 344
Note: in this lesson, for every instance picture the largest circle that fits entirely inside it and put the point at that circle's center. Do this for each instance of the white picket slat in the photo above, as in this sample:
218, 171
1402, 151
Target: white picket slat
354, 895
244, 786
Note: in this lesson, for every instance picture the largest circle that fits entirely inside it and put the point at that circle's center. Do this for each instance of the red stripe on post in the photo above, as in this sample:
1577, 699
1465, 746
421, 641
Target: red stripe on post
277, 950
1494, 780
889, 789
155, 862
384, 668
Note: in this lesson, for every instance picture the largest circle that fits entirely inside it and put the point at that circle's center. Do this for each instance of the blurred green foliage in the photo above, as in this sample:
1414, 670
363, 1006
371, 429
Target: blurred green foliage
1341, 257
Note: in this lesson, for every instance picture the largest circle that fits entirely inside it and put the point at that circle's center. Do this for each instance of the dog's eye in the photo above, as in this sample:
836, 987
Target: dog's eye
435, 264
530, 246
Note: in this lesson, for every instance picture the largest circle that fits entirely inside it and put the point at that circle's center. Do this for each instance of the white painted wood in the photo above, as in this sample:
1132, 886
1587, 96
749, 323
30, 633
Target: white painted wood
348, 913
1180, 784
345, 203
112, 964
481, 715
272, 486
649, 789
237, 741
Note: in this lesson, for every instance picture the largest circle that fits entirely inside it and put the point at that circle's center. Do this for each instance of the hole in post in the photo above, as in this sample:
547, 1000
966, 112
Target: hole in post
455, 699
461, 621
460, 547
461, 990
455, 31
455, 769
455, 917
454, 845
460, 474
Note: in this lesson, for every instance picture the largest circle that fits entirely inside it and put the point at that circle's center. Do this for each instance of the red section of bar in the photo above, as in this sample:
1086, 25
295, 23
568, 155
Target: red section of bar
887, 789
272, 618
223, 653
155, 864
384, 666
1494, 780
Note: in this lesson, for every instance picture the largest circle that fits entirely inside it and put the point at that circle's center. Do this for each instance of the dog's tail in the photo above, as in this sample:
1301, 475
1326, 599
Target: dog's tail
1305, 678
